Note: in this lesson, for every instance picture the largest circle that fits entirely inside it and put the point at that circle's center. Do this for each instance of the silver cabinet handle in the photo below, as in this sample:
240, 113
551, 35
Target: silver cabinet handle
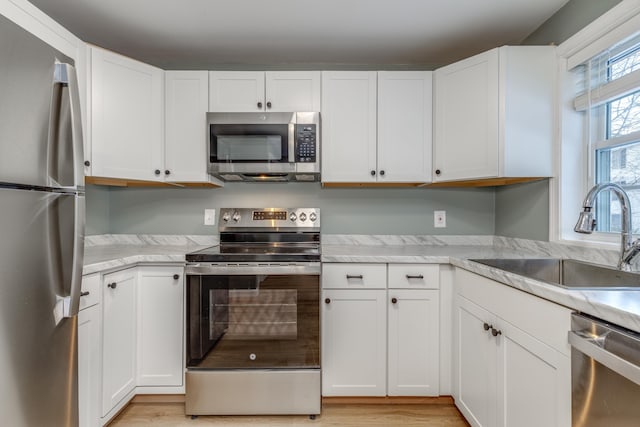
419, 276
590, 347
355, 276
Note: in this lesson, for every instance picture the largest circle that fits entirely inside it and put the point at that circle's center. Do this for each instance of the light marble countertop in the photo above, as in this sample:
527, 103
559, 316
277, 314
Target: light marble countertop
616, 306
110, 252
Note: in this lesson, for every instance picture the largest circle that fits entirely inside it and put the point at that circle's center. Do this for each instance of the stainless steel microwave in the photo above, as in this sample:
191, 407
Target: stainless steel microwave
264, 147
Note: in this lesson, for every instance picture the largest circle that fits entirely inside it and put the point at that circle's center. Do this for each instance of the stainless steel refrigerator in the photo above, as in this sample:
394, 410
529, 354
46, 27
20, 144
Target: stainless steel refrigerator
41, 231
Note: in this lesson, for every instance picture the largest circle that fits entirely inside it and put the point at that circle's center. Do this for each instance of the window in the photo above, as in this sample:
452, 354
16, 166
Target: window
611, 102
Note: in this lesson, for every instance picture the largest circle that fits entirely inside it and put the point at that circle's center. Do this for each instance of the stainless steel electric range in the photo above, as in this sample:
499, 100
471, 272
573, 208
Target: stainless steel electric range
253, 315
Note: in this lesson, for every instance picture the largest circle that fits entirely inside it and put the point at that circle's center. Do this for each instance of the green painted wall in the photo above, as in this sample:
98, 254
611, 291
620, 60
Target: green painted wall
522, 210
344, 210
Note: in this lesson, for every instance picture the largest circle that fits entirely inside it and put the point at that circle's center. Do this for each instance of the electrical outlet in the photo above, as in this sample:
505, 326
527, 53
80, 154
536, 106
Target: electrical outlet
440, 219
209, 217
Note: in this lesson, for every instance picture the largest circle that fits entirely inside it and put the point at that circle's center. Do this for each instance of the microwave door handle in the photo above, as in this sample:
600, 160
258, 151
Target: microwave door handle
292, 142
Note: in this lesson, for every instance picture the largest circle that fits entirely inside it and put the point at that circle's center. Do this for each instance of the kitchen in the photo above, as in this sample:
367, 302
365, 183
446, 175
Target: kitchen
521, 211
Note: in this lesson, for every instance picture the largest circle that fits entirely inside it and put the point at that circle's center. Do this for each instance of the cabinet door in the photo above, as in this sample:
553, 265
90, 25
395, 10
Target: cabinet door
126, 117
119, 337
466, 141
160, 326
413, 337
89, 383
349, 126
534, 381
292, 91
186, 106
354, 325
236, 91
475, 364
404, 126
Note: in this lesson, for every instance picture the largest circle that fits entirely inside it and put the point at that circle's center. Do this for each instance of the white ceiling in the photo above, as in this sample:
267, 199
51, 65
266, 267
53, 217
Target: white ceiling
208, 34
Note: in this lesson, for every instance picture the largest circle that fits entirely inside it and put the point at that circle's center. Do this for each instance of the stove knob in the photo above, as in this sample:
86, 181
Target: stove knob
293, 217
226, 217
303, 217
313, 216
236, 216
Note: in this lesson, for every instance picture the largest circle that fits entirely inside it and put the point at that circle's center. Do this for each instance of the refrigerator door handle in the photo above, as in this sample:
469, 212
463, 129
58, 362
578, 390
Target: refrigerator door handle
73, 306
65, 75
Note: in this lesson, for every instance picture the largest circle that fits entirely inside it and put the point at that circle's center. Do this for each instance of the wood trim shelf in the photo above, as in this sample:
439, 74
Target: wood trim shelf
372, 184
118, 182
486, 182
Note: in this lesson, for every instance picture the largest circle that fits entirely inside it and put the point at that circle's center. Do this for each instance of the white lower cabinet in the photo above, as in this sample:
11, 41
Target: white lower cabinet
118, 337
354, 324
378, 342
160, 326
89, 351
130, 338
512, 361
413, 364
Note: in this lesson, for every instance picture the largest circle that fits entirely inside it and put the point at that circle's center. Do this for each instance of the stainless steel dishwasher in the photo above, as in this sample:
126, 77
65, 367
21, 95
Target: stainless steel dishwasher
605, 374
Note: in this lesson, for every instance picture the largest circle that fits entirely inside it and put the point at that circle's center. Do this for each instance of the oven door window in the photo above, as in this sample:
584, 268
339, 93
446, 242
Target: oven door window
249, 143
259, 322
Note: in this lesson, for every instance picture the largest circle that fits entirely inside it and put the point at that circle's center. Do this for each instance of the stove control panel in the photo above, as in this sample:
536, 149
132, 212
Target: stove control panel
269, 218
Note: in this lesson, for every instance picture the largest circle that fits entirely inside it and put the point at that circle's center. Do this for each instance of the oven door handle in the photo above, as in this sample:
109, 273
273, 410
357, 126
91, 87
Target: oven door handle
587, 343
311, 268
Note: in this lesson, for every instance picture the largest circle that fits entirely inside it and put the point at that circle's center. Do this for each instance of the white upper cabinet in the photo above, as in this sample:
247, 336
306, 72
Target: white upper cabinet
236, 91
349, 126
494, 115
376, 127
126, 118
292, 91
254, 91
404, 126
186, 106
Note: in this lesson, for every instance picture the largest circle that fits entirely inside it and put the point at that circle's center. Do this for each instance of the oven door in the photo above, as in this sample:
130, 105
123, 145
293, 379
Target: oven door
253, 317
251, 142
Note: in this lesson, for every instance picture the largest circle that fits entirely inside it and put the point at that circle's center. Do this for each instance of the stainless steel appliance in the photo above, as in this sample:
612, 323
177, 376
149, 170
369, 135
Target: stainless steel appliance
264, 147
41, 231
605, 371
253, 316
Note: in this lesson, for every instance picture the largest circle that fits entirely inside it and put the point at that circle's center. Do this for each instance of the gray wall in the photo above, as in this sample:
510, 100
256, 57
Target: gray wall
344, 210
570, 19
98, 206
522, 210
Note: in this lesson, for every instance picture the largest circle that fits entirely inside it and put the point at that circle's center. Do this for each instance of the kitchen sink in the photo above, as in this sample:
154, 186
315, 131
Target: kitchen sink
567, 273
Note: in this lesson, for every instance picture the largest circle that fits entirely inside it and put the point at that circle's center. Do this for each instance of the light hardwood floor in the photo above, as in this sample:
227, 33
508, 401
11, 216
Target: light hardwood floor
333, 414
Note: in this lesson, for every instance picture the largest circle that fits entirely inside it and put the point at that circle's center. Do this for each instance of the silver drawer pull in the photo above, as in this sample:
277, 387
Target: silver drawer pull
419, 276
358, 276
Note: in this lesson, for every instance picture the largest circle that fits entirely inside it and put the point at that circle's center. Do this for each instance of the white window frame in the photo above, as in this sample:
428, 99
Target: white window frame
572, 152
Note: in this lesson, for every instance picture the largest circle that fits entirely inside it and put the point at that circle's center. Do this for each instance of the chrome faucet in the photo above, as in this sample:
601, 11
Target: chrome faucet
587, 223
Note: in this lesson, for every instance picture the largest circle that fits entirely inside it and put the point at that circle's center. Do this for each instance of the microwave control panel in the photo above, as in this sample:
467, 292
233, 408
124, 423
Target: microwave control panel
305, 148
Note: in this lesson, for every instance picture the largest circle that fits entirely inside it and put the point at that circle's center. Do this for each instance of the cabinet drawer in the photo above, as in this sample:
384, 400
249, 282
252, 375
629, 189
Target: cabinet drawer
414, 276
90, 293
354, 276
